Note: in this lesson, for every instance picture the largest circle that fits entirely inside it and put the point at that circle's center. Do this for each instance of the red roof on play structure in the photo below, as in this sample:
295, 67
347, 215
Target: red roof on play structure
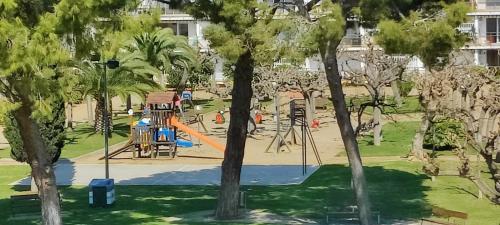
164, 97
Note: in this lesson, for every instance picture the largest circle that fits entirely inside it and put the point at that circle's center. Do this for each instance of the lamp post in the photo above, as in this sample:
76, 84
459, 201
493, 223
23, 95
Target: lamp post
112, 64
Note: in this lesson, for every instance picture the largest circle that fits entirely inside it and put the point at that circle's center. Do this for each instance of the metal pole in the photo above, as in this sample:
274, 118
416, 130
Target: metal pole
90, 114
105, 118
278, 121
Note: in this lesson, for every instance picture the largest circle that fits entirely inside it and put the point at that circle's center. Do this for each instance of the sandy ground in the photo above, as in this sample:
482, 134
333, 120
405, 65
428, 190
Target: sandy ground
327, 139
201, 163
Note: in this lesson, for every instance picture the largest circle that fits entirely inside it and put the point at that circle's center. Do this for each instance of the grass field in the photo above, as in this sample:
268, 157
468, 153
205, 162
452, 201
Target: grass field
396, 189
410, 105
396, 142
83, 139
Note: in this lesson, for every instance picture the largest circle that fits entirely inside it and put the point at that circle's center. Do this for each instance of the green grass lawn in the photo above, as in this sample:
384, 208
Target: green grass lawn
410, 105
396, 142
4, 153
83, 139
397, 190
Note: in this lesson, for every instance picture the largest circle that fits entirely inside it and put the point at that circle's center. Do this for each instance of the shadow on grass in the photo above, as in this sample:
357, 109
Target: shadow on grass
398, 195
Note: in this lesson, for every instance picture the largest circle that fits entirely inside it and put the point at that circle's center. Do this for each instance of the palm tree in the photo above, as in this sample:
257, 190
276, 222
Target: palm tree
132, 76
167, 52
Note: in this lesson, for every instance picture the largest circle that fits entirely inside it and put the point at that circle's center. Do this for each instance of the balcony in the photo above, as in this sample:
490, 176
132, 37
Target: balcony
488, 4
467, 28
352, 41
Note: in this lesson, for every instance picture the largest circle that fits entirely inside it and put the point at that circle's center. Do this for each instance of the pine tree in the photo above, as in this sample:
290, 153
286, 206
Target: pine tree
51, 128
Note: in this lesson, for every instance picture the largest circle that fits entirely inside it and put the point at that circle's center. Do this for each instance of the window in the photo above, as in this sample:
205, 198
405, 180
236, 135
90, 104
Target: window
178, 28
492, 30
183, 29
492, 58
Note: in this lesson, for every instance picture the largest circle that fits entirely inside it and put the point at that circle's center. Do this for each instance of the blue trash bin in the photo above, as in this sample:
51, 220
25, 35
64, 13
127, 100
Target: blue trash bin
101, 192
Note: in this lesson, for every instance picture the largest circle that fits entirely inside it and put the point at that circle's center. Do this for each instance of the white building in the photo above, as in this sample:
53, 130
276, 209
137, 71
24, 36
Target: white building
184, 24
484, 28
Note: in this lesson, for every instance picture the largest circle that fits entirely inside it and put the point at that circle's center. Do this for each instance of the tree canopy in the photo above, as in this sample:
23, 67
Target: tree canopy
430, 37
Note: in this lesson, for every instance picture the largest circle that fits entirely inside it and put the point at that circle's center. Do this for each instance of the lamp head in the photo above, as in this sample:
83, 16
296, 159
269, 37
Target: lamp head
95, 57
113, 64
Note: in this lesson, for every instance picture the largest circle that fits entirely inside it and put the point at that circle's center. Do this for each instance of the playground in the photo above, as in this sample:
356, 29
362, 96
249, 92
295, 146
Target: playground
191, 173
171, 149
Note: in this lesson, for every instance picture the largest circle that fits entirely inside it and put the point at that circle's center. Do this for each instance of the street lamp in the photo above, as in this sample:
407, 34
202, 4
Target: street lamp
112, 64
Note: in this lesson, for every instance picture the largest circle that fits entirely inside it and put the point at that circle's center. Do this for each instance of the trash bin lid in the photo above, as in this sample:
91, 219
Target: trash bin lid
101, 182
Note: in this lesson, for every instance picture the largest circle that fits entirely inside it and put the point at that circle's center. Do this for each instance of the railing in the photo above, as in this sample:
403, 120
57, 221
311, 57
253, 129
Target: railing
467, 28
489, 3
352, 40
414, 63
163, 10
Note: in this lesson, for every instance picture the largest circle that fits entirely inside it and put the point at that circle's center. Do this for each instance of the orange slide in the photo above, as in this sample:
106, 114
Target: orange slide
196, 134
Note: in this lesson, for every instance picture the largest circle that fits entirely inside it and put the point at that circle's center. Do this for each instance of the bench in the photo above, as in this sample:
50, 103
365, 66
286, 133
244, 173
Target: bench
349, 216
445, 213
322, 103
25, 204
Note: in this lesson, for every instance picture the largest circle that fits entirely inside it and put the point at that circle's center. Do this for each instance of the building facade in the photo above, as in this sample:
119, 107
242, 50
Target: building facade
184, 24
484, 28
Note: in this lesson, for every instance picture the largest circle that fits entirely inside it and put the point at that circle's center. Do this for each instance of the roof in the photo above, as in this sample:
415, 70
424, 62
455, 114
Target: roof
167, 97
485, 12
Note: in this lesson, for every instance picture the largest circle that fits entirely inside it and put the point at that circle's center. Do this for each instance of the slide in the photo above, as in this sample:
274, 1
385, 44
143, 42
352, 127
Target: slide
196, 134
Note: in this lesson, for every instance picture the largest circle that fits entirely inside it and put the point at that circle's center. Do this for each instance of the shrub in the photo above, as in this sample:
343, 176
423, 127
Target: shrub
51, 129
444, 134
406, 87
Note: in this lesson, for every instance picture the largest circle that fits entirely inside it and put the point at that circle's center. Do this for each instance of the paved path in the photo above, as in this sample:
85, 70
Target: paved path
176, 174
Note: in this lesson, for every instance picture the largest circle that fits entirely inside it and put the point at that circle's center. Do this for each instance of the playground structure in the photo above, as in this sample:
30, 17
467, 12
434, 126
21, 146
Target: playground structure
297, 118
156, 132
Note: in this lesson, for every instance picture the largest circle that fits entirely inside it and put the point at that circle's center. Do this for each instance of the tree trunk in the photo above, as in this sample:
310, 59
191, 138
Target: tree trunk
492, 167
329, 56
491, 121
377, 117
41, 166
98, 120
483, 125
90, 117
377, 126
396, 93
129, 102
227, 205
33, 187
417, 149
69, 115
182, 83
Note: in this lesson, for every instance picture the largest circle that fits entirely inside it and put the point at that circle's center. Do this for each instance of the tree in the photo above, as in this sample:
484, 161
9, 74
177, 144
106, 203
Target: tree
30, 50
169, 53
37, 38
289, 78
429, 34
52, 130
132, 76
324, 36
239, 33
71, 93
373, 69
471, 96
